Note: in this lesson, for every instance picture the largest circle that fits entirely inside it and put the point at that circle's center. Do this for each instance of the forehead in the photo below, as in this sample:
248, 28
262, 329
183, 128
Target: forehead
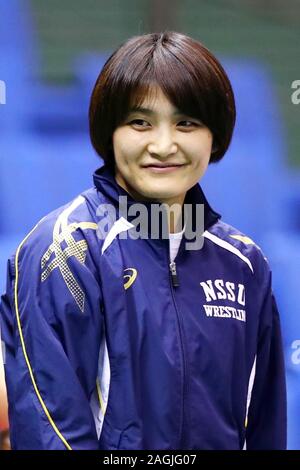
151, 98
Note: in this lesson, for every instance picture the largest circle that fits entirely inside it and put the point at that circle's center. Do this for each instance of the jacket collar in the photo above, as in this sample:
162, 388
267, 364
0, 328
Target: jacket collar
105, 182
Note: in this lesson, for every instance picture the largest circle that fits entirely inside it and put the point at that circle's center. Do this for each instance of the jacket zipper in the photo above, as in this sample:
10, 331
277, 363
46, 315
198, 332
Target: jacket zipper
174, 277
174, 284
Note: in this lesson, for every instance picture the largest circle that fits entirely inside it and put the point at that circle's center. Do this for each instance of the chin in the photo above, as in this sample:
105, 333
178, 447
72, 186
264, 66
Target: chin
159, 195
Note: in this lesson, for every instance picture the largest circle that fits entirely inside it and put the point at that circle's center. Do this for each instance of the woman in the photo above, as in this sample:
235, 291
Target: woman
134, 318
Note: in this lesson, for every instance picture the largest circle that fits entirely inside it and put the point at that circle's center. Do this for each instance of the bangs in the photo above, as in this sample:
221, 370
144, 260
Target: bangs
184, 89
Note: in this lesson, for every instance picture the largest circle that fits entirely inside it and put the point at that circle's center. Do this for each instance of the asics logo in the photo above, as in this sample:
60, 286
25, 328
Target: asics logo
130, 277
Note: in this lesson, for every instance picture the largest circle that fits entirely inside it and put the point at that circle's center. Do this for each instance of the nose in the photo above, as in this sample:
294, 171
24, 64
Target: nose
162, 143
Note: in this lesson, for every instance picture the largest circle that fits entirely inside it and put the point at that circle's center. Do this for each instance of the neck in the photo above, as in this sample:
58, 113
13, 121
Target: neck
174, 206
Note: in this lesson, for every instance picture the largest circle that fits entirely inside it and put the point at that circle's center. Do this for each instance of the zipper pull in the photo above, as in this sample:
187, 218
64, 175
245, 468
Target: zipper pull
174, 276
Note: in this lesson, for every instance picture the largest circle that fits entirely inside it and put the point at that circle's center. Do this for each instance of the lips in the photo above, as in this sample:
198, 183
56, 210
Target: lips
163, 168
163, 165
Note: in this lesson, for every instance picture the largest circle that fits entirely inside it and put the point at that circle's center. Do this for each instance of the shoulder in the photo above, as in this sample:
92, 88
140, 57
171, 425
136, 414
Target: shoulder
70, 227
240, 245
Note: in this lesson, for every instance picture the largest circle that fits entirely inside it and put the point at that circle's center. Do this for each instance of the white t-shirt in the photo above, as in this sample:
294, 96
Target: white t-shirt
175, 239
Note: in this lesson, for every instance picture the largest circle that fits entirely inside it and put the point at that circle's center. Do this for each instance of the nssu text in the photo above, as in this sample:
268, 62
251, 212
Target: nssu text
224, 290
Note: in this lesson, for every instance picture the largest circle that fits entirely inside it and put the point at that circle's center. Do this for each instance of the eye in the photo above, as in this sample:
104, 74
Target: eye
140, 123
188, 124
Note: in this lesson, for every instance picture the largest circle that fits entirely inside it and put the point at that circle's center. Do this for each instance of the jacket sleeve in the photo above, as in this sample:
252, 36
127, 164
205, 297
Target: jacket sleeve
51, 324
266, 427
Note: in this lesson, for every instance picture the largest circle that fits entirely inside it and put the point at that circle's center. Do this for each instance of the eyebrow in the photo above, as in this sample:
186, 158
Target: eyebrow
150, 112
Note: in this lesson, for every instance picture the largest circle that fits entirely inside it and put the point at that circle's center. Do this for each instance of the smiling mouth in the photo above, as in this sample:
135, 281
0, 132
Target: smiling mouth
167, 168
158, 168
165, 164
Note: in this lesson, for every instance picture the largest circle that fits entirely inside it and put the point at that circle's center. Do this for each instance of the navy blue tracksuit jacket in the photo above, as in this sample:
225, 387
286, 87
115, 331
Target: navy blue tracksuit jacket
105, 348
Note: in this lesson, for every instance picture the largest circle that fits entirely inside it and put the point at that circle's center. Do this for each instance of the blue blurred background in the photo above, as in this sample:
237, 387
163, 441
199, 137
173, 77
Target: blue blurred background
50, 56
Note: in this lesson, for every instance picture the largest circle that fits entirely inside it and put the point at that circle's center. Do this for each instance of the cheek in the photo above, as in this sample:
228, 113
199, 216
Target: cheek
125, 146
201, 154
118, 142
207, 140
201, 140
204, 147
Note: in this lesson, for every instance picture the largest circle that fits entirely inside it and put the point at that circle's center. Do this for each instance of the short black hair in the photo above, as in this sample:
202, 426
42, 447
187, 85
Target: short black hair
187, 72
